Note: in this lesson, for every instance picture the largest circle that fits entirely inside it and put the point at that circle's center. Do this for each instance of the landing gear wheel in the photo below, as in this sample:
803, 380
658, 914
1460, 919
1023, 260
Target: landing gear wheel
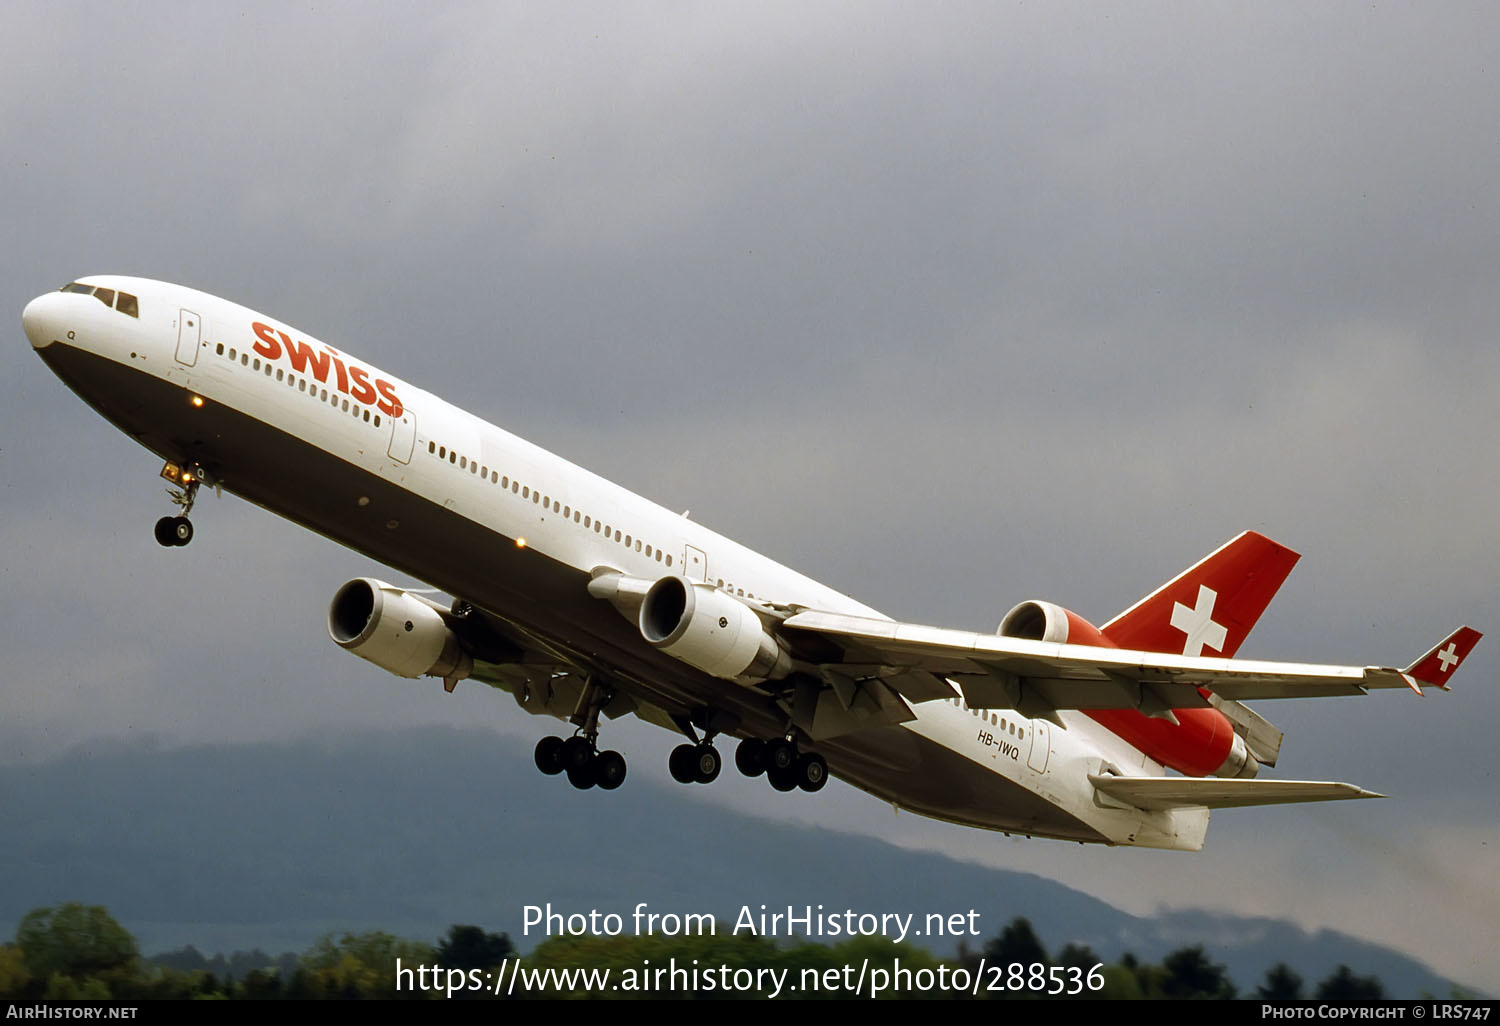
165, 535
783, 779
781, 755
609, 770
812, 772
750, 757
706, 763
549, 756
182, 530
683, 764
577, 754
583, 777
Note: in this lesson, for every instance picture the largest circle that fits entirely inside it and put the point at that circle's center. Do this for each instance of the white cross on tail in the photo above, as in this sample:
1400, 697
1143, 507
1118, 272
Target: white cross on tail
1198, 624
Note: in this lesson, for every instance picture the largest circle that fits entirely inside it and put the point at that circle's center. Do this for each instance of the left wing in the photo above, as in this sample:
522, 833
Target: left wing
1158, 793
1035, 677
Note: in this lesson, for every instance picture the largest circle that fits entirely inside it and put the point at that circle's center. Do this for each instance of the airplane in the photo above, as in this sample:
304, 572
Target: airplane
587, 602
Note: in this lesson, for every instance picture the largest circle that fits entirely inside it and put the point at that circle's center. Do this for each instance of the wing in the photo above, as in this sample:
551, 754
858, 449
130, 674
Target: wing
1037, 677
1158, 793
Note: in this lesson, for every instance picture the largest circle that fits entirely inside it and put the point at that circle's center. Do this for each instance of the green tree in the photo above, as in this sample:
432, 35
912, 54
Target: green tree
14, 976
1188, 973
1281, 984
359, 965
1080, 956
1343, 985
469, 947
1016, 943
74, 940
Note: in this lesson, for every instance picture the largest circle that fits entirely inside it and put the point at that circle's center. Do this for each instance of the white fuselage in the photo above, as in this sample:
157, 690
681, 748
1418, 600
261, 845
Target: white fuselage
397, 473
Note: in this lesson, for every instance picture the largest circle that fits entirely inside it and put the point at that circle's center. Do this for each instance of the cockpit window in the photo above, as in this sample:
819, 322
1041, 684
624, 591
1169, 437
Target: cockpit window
124, 302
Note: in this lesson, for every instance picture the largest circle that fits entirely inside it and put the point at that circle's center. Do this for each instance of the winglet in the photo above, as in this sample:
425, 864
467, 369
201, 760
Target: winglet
1438, 665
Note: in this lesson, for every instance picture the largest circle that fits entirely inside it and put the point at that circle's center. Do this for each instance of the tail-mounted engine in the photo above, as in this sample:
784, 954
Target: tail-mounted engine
399, 632
1197, 741
706, 628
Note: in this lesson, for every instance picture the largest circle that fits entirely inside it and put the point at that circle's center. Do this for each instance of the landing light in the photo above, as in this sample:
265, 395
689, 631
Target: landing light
197, 400
520, 543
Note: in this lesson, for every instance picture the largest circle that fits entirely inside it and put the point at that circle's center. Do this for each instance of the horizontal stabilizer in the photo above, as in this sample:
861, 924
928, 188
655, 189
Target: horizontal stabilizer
1158, 793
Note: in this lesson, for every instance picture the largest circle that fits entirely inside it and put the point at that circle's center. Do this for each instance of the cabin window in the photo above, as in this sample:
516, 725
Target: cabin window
463, 463
494, 477
126, 304
86, 290
669, 561
220, 350
105, 296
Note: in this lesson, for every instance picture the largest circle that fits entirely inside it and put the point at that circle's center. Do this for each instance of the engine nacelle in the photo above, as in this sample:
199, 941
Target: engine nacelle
708, 629
396, 630
1202, 741
1047, 621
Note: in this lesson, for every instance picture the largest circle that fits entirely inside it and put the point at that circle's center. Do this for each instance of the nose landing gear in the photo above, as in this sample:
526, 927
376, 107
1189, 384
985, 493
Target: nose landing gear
178, 530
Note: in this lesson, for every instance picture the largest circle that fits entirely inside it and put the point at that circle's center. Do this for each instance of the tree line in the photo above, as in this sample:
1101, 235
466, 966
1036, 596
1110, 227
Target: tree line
80, 952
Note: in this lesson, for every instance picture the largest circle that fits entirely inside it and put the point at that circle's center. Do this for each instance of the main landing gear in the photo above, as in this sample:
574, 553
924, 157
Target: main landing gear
579, 756
695, 764
178, 530
783, 766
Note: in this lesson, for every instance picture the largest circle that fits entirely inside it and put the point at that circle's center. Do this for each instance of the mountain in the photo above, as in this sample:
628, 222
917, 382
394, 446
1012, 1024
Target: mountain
270, 845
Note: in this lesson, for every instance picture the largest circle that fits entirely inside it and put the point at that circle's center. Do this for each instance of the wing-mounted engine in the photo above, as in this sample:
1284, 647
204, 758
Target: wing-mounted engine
399, 632
706, 628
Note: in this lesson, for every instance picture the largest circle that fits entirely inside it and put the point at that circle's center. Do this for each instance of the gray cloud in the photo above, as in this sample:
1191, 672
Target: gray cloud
949, 308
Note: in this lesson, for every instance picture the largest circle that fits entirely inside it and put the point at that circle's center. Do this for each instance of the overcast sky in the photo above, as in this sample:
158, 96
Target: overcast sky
949, 306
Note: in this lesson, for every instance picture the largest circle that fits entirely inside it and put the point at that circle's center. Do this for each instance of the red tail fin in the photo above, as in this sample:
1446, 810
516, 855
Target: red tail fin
1210, 607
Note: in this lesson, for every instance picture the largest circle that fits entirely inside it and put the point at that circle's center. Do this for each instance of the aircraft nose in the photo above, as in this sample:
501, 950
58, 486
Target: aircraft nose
41, 321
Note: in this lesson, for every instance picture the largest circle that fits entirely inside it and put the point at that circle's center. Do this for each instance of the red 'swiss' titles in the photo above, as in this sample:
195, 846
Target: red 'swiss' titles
352, 380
